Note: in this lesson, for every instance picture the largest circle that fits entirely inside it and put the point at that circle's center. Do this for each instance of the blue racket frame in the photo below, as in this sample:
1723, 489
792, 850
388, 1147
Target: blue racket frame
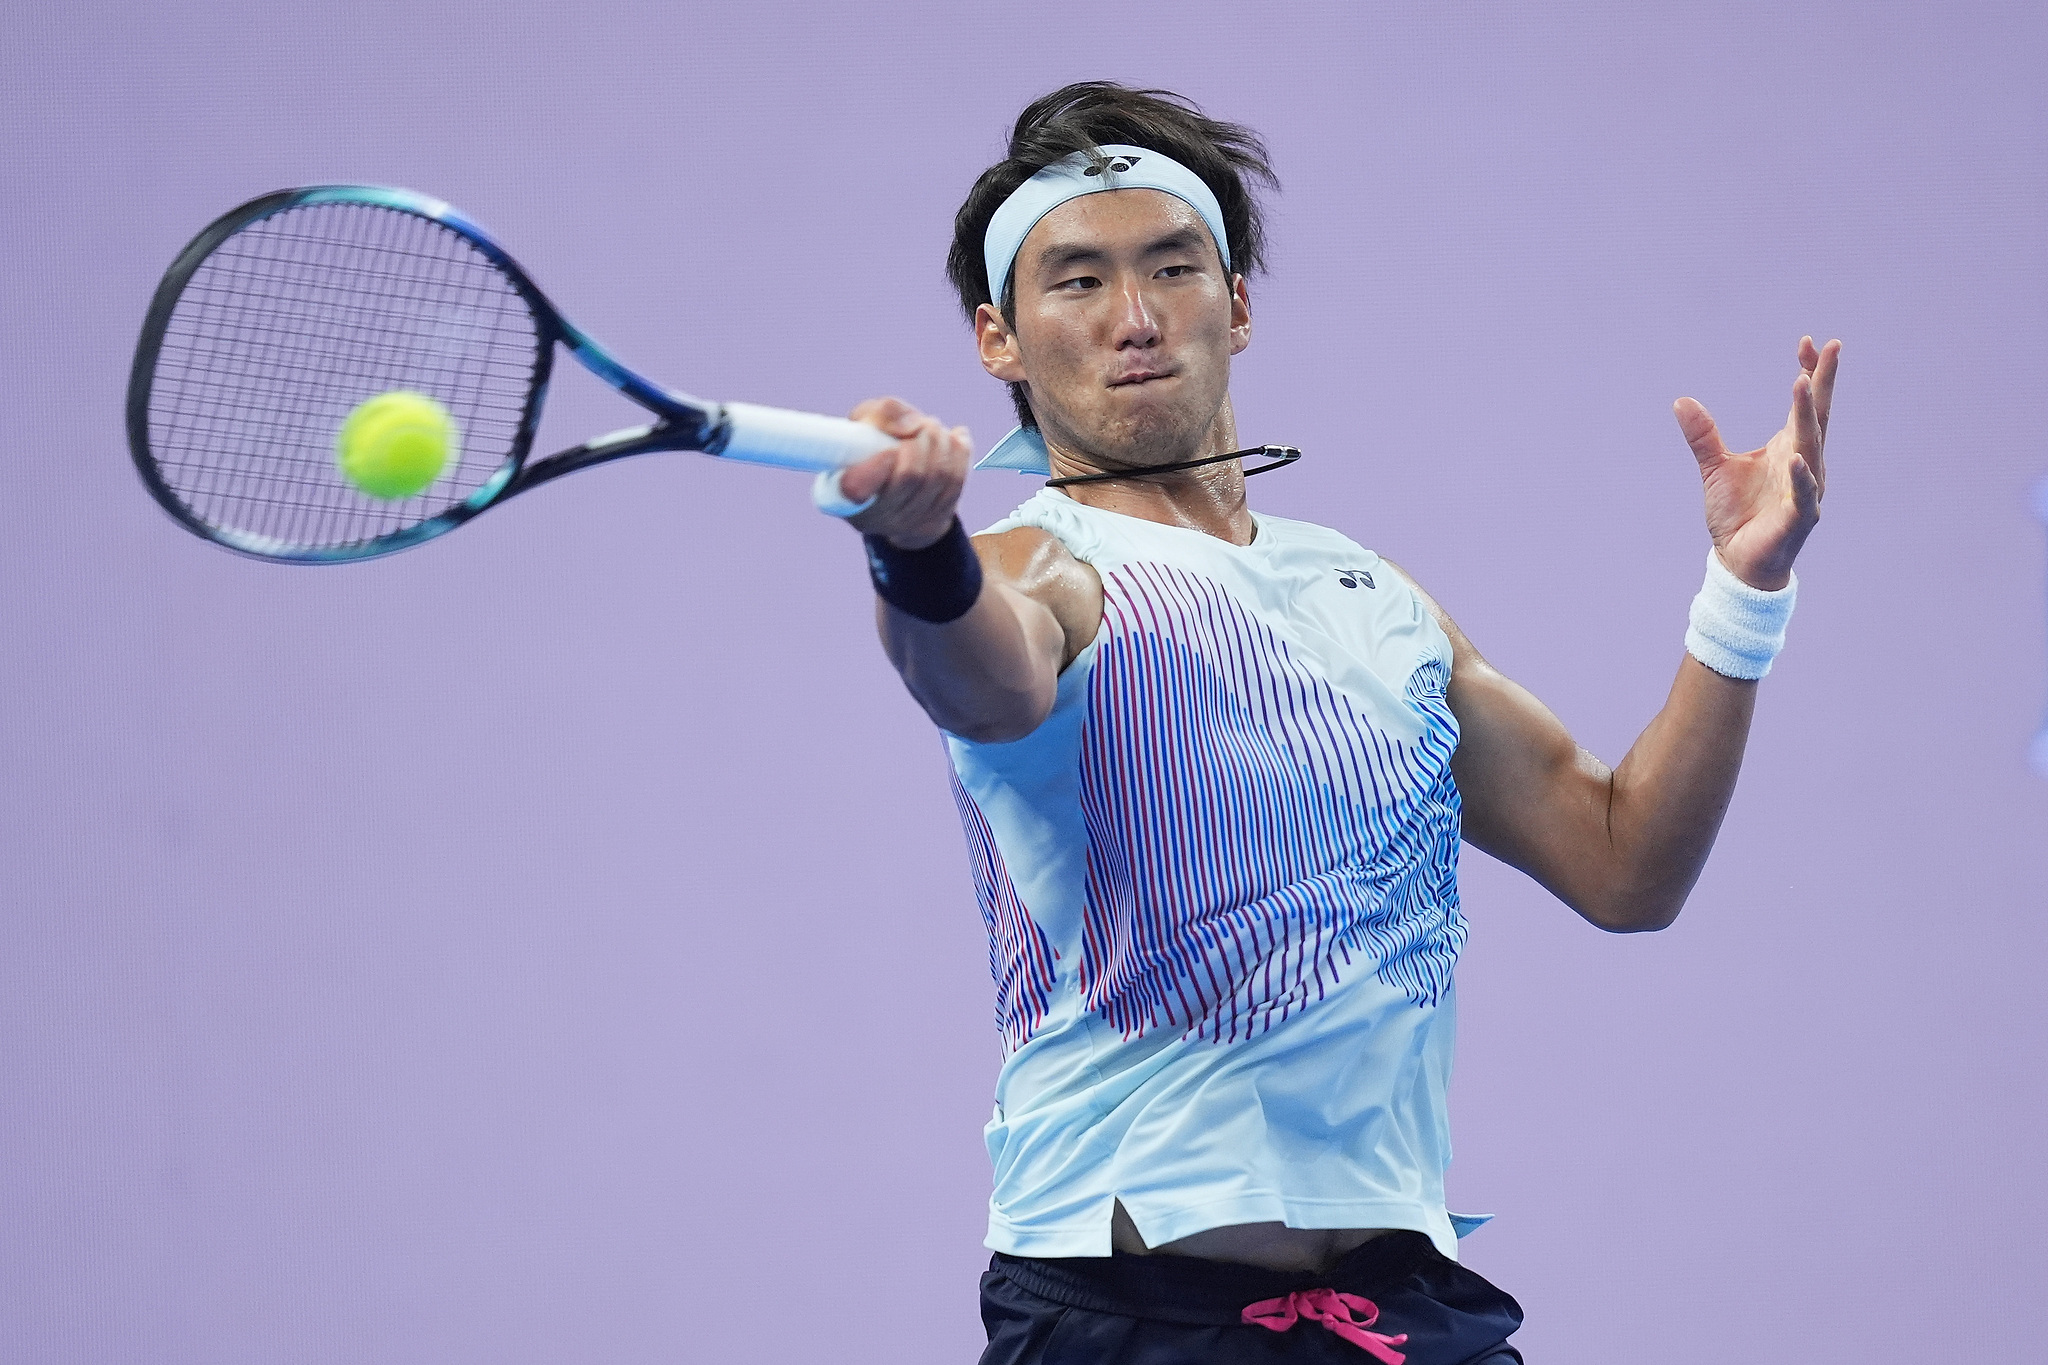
683, 422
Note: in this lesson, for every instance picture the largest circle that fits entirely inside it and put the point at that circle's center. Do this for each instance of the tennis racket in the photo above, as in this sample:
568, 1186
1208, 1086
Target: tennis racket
289, 311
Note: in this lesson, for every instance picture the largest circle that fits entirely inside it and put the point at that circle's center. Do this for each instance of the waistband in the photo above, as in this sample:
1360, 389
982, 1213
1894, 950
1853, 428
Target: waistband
1187, 1289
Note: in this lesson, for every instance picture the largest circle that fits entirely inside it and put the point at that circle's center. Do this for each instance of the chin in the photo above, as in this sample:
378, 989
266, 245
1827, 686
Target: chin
1142, 428
1152, 437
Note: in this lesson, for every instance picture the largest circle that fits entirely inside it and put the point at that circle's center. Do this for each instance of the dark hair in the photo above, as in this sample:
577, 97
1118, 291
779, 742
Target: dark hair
1080, 118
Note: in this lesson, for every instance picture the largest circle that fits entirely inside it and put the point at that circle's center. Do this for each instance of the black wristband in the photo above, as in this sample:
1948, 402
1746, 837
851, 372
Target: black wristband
938, 583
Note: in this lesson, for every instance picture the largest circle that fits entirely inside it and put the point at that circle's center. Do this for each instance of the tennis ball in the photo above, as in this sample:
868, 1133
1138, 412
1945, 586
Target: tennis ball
396, 444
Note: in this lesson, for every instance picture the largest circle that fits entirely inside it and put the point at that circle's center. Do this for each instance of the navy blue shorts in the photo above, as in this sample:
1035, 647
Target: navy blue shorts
1177, 1310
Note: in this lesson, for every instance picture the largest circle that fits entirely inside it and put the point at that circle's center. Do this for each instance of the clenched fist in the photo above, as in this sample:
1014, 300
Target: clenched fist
916, 483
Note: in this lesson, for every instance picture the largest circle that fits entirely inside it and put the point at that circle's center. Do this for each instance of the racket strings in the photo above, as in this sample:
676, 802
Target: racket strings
278, 472
295, 320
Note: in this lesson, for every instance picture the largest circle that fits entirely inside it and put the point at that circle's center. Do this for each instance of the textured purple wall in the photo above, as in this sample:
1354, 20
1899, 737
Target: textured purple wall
555, 944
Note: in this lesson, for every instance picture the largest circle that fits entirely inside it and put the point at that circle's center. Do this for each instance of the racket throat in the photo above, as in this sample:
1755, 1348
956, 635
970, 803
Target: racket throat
626, 440
641, 440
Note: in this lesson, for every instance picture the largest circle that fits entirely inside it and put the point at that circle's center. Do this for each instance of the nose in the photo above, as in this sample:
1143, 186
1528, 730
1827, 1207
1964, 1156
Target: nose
1136, 329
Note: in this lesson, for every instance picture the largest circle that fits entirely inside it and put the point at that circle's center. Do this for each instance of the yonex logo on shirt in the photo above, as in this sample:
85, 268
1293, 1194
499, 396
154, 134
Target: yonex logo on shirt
1351, 578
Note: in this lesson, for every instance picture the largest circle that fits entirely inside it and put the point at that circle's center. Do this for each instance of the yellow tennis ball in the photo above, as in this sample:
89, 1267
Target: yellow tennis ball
396, 444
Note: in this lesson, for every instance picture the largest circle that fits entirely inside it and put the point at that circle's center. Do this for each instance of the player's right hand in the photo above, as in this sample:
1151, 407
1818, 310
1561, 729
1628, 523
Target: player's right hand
916, 483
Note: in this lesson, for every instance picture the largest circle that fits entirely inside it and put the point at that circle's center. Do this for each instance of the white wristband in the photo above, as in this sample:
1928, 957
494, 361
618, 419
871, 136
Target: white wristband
1736, 629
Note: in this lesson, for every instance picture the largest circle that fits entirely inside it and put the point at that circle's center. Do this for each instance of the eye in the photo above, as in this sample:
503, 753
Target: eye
1174, 272
1079, 282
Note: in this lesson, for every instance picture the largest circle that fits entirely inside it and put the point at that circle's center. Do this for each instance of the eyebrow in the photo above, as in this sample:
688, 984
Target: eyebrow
1061, 256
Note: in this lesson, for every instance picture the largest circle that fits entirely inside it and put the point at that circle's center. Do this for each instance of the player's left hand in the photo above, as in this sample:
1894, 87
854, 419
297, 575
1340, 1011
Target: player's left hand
1762, 504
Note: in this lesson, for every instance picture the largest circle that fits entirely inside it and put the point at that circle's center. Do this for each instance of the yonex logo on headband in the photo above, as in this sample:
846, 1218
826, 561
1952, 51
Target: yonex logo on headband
1118, 164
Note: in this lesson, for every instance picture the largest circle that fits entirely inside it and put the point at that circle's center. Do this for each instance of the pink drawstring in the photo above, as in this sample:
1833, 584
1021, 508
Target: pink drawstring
1345, 1314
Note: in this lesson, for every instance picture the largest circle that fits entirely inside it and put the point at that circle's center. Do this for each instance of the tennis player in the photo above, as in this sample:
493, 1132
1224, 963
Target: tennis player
1214, 767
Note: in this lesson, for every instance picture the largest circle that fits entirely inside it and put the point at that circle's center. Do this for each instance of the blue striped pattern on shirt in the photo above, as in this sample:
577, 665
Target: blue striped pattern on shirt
1250, 830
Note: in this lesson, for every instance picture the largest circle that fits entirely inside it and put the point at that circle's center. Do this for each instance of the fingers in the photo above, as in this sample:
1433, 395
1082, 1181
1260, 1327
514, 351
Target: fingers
926, 482
1700, 432
862, 479
1806, 489
865, 478
892, 415
915, 483
1820, 363
1805, 423
1825, 365
1812, 395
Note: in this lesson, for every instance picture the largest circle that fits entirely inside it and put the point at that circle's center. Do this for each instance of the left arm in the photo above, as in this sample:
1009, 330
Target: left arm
1623, 846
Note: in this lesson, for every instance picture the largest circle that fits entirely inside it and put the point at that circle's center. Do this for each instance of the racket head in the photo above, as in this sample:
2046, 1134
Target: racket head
287, 312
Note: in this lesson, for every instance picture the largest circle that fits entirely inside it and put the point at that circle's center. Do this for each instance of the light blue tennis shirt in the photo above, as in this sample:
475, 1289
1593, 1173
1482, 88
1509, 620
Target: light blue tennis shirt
1220, 885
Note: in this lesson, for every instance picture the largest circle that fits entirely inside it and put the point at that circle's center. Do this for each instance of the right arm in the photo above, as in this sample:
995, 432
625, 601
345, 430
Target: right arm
991, 674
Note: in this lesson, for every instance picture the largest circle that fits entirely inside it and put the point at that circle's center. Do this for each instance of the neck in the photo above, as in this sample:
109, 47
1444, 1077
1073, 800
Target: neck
1209, 499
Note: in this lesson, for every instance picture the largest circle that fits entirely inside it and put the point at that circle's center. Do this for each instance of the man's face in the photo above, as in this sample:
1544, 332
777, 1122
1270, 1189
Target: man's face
1125, 322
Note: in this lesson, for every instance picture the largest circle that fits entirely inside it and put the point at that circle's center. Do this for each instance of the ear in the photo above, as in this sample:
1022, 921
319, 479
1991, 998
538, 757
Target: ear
1240, 314
998, 345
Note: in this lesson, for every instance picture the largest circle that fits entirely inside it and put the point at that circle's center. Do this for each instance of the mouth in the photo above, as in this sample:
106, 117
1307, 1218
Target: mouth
1135, 377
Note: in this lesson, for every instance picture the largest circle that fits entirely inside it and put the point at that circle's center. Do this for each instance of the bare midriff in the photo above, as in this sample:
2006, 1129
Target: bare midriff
1270, 1246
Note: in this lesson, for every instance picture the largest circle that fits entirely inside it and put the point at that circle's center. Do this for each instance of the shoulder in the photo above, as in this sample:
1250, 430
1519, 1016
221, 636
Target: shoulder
1037, 564
1026, 555
1462, 652
1308, 538
1442, 618
1036, 543
1307, 533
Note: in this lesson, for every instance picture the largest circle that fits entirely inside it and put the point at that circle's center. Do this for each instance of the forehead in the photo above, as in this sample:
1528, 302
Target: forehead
1112, 221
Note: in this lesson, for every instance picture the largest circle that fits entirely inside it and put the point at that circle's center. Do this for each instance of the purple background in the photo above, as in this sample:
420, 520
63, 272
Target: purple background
555, 943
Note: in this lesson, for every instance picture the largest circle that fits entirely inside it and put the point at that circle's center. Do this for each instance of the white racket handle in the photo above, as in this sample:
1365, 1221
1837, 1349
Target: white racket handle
828, 497
798, 440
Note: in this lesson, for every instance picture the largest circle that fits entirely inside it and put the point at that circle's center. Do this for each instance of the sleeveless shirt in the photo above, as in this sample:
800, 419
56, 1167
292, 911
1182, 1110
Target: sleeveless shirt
1220, 887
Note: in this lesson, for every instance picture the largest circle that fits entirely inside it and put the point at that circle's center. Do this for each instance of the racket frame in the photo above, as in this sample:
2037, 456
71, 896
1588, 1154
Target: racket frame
682, 422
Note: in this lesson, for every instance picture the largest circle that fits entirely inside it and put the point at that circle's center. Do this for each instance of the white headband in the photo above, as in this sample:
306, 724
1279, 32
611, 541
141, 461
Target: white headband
1117, 167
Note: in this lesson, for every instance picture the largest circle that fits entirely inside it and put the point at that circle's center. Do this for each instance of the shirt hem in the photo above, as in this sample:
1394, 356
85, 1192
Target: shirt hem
1091, 1237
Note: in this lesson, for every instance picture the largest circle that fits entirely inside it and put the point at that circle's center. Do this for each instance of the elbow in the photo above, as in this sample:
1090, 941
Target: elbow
988, 719
1635, 894
983, 730
1637, 921
1633, 912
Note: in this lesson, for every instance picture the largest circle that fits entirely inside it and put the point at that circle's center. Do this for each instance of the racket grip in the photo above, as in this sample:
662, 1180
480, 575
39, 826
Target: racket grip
828, 497
797, 440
